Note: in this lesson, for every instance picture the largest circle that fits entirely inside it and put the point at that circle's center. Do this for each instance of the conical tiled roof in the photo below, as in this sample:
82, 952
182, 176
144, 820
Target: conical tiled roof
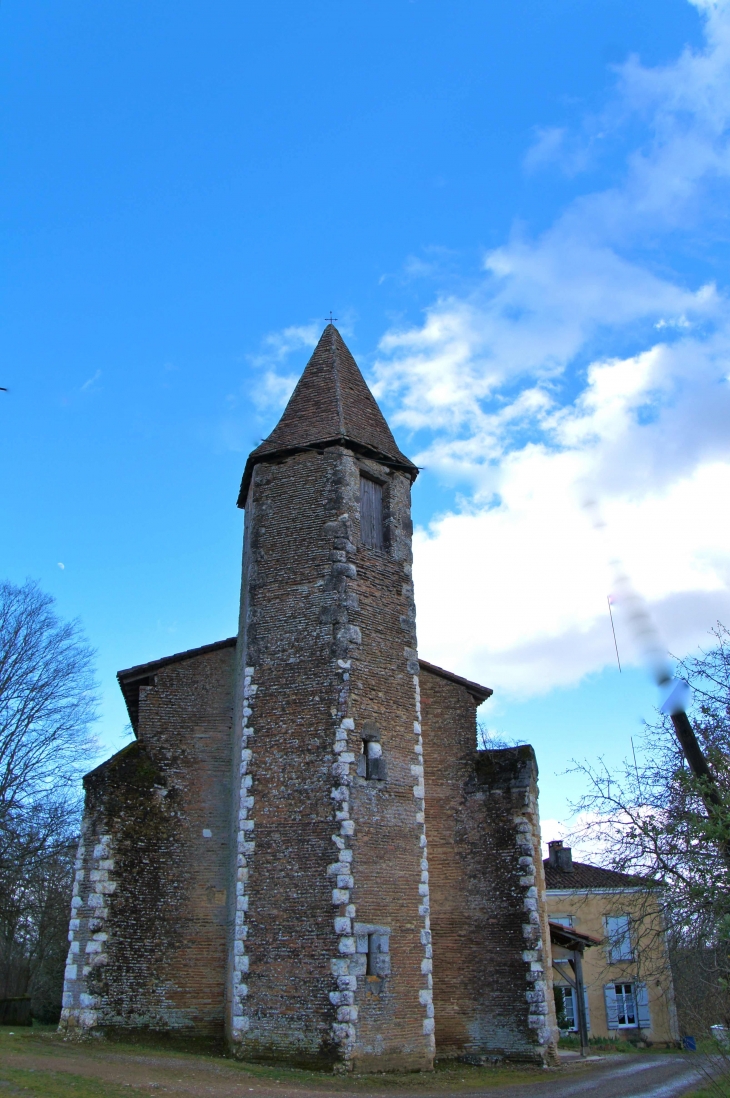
331, 405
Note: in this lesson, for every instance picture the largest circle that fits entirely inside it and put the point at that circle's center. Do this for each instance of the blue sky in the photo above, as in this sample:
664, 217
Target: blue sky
517, 211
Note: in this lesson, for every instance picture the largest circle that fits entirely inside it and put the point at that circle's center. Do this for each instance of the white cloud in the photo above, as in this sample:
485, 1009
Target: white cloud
511, 398
274, 388
90, 382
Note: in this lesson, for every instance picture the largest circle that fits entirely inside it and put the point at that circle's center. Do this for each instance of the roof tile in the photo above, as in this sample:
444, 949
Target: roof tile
331, 404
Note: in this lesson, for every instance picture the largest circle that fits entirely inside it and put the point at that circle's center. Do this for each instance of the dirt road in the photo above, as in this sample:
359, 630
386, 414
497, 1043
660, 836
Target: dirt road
33, 1066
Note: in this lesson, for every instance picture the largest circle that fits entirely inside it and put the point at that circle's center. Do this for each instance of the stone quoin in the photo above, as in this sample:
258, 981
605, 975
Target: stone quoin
302, 852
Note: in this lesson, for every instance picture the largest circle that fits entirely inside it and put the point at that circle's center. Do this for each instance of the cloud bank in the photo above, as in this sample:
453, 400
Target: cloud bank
582, 367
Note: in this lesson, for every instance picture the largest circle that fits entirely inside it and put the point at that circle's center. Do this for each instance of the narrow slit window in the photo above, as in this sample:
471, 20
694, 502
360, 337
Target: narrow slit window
371, 513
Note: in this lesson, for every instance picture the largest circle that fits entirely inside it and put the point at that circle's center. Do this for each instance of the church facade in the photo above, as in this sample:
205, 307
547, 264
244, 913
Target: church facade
303, 852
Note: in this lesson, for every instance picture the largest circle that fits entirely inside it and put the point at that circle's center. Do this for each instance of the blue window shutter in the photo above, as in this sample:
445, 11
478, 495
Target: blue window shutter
587, 1011
642, 1006
609, 994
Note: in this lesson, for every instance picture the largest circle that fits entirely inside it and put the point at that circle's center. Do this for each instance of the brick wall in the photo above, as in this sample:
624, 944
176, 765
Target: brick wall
149, 909
328, 630
491, 950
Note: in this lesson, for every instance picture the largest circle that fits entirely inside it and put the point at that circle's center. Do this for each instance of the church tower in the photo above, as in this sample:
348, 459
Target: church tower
330, 958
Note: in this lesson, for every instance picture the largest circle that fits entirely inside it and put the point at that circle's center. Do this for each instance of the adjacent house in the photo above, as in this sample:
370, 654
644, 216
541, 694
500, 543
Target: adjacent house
627, 978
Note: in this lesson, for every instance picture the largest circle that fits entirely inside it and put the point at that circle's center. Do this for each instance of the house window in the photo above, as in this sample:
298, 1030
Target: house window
618, 933
627, 1006
371, 513
562, 920
565, 1007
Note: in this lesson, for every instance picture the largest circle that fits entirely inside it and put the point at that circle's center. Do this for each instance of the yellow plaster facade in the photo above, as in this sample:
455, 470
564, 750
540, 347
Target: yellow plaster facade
627, 978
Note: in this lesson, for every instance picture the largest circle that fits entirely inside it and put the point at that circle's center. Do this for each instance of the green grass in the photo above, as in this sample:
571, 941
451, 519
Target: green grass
57, 1084
44, 1041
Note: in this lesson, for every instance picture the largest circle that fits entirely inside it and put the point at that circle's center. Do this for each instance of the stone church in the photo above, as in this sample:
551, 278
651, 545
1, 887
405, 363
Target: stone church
302, 852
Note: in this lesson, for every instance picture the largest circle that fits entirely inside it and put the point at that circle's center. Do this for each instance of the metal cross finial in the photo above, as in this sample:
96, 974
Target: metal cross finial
331, 319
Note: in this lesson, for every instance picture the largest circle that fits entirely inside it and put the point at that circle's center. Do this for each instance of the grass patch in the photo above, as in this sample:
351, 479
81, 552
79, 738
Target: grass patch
58, 1084
44, 1042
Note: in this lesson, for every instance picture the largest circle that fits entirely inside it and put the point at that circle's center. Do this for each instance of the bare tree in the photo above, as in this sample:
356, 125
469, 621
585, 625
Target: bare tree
47, 707
652, 818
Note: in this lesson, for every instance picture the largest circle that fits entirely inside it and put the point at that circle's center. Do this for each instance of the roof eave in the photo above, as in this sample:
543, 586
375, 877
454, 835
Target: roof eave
402, 464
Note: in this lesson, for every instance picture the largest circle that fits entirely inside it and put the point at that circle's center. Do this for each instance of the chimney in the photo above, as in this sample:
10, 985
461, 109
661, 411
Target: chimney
560, 856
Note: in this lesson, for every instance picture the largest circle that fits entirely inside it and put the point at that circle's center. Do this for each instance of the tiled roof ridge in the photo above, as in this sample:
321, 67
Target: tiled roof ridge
584, 876
331, 405
142, 669
474, 688
336, 377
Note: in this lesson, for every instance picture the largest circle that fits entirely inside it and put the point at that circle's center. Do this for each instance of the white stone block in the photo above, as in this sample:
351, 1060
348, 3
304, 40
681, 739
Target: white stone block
347, 827
88, 1001
106, 888
423, 890
346, 945
73, 948
92, 946
342, 998
345, 881
347, 1014
340, 896
343, 925
425, 997
70, 973
347, 723
426, 965
347, 983
422, 841
247, 825
67, 999
339, 966
428, 1025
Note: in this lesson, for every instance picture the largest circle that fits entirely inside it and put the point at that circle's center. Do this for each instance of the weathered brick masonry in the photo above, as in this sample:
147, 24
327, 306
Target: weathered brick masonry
491, 947
271, 858
148, 926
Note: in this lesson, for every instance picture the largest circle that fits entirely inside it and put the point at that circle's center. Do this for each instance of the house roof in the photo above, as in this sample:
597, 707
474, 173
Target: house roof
479, 693
569, 938
132, 678
584, 877
331, 405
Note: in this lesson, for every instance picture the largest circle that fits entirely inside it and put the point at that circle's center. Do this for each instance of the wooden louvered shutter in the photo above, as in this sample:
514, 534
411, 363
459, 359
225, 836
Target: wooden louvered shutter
609, 994
371, 513
642, 1006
